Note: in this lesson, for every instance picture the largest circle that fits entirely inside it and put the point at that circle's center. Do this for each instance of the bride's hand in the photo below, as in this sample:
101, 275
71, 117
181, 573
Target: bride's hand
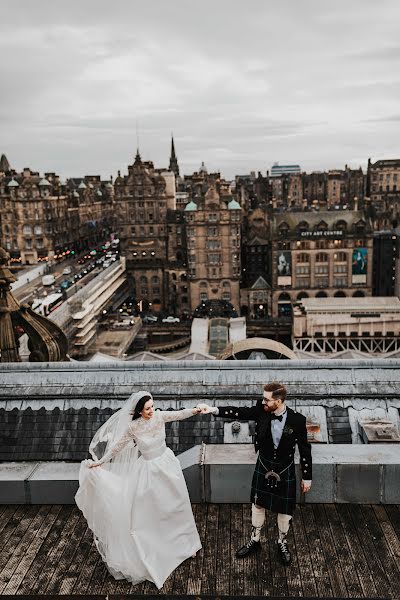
91, 464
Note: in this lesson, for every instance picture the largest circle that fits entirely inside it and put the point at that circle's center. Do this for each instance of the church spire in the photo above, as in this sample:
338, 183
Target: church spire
173, 161
4, 164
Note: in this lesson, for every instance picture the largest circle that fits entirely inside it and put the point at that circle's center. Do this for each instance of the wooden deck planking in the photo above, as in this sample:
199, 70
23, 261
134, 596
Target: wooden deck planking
341, 550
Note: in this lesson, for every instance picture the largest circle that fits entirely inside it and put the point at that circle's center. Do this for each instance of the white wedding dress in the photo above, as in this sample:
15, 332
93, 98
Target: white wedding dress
143, 526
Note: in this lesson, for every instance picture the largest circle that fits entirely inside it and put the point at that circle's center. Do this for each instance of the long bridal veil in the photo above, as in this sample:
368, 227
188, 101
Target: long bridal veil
111, 432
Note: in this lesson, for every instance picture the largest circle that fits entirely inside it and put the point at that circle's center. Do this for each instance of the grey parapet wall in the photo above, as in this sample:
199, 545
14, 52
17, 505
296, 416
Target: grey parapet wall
361, 474
348, 473
108, 384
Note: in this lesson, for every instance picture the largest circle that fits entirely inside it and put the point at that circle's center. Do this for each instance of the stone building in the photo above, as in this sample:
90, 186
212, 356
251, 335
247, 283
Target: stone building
315, 188
213, 230
34, 215
256, 263
383, 188
345, 188
44, 218
320, 254
142, 200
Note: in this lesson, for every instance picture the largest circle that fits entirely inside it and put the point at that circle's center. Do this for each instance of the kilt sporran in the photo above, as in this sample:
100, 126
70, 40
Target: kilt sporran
274, 485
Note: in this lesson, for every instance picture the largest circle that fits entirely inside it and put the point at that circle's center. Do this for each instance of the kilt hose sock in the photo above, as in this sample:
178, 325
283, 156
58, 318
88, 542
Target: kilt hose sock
283, 526
258, 519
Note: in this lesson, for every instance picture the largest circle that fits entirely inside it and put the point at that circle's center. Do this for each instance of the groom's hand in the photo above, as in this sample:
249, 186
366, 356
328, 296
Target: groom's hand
305, 486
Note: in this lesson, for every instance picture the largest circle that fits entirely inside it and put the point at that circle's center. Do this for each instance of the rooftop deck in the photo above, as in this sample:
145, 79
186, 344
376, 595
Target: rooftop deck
342, 550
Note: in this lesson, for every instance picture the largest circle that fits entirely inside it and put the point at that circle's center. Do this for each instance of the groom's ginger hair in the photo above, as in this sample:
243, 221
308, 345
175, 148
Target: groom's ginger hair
278, 390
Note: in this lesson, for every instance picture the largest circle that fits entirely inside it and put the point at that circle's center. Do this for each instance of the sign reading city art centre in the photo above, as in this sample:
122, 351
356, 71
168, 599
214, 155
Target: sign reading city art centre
323, 233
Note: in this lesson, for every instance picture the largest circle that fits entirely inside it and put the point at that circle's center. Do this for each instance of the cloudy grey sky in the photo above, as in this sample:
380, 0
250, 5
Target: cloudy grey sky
241, 84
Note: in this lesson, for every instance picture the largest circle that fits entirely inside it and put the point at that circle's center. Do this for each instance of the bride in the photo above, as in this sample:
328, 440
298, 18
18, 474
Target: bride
138, 507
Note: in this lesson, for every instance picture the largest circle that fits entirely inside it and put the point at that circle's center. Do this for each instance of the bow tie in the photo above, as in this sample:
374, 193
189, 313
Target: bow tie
279, 417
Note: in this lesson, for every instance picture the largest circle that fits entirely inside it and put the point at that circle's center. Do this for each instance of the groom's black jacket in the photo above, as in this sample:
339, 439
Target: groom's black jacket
294, 432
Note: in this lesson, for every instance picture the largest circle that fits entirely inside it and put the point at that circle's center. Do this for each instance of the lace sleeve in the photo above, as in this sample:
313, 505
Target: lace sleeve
176, 415
118, 446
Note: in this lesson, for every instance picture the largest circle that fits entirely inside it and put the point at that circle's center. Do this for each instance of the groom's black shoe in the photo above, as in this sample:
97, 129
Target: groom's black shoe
249, 548
284, 553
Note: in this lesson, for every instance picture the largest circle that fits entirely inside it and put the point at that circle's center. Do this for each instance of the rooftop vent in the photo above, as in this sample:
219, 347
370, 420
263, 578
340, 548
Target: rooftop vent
378, 431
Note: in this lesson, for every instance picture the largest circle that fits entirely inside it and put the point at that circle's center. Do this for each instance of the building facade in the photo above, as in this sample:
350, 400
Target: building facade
383, 188
320, 254
213, 230
44, 218
335, 326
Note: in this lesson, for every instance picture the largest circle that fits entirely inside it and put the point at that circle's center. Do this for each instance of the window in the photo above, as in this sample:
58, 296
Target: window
303, 282
213, 244
302, 245
322, 282
27, 230
203, 296
321, 269
143, 280
321, 257
283, 229
214, 259
226, 296
28, 244
340, 282
212, 231
340, 257
303, 258
321, 244
339, 268
302, 269
38, 230
155, 280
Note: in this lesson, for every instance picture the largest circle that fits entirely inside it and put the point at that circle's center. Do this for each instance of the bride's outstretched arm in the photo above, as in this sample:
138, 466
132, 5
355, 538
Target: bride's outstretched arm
117, 447
179, 415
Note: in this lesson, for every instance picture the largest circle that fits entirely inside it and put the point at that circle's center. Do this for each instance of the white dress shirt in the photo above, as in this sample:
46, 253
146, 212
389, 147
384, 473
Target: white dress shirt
277, 427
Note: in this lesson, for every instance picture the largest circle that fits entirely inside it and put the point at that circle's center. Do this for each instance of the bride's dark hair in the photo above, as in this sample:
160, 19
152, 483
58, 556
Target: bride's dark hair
139, 407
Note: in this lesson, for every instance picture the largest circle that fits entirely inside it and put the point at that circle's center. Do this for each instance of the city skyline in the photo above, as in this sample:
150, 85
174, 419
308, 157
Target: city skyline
240, 87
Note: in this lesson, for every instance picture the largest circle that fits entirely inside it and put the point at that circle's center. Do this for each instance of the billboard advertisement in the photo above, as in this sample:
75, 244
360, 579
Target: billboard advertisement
359, 265
284, 267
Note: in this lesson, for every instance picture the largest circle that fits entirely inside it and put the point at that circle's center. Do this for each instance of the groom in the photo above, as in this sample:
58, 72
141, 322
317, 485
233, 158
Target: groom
278, 430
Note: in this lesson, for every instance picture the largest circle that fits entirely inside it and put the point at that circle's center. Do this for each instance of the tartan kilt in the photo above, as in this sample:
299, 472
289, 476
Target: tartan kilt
276, 496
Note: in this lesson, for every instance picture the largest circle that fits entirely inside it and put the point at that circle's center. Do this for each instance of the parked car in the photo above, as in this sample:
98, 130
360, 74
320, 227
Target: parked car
107, 263
171, 319
67, 271
149, 319
64, 285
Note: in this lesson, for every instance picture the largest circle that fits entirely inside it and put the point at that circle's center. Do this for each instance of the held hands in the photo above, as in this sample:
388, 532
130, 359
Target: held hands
305, 487
205, 409
91, 464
